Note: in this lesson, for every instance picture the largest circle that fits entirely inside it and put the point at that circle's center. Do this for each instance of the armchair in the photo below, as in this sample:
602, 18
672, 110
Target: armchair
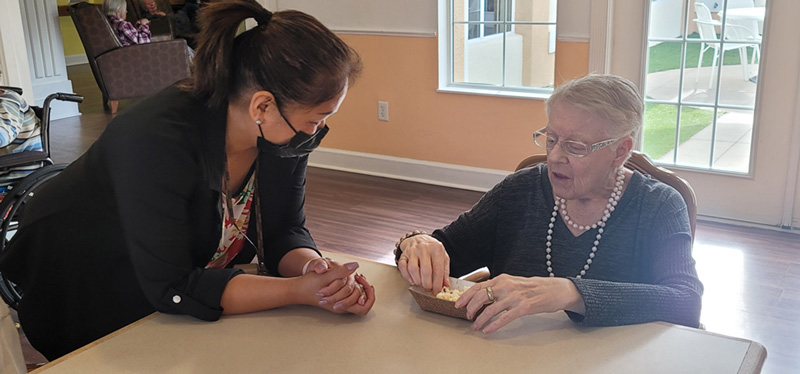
127, 72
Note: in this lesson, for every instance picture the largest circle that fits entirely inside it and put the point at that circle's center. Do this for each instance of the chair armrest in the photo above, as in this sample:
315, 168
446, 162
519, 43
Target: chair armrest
143, 69
18, 90
22, 158
708, 22
161, 38
740, 33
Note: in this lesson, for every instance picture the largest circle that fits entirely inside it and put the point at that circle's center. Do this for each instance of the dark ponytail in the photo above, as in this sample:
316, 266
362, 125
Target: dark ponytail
290, 53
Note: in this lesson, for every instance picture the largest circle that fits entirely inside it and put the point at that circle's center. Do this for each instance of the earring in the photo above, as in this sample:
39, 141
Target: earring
258, 122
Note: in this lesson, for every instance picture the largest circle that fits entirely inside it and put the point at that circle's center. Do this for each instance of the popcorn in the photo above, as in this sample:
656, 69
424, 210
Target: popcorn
450, 294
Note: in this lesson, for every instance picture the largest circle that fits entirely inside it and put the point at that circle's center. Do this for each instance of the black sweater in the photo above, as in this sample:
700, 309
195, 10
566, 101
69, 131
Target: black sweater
128, 228
643, 271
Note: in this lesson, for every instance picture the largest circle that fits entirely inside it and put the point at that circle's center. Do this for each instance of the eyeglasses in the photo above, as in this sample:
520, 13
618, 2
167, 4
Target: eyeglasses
570, 147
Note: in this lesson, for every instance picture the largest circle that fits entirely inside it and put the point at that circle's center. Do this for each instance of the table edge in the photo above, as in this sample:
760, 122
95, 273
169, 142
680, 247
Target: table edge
754, 358
80, 350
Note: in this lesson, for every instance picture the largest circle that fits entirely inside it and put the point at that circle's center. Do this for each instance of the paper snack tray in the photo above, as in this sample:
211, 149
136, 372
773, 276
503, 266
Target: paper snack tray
431, 303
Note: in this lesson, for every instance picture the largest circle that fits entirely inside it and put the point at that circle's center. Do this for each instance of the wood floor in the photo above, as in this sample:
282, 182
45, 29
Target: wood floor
751, 276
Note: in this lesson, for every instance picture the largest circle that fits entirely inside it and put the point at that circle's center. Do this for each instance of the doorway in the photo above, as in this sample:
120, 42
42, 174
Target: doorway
728, 125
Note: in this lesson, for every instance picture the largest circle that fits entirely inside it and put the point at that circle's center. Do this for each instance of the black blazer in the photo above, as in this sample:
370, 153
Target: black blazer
128, 228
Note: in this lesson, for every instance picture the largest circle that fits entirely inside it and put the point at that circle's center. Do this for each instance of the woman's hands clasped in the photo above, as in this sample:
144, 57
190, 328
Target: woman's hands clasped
510, 297
424, 262
335, 287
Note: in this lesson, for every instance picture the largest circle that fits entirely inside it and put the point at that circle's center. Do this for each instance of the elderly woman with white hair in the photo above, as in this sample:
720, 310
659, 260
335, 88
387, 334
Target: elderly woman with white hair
581, 233
127, 33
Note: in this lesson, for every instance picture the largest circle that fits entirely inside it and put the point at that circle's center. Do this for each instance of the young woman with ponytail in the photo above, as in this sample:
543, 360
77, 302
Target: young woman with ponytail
180, 187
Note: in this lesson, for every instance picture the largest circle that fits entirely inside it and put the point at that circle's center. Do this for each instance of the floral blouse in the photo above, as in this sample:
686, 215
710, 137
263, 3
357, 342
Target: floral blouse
233, 232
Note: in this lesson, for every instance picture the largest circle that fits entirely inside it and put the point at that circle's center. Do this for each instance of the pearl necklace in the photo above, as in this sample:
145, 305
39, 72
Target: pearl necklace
561, 204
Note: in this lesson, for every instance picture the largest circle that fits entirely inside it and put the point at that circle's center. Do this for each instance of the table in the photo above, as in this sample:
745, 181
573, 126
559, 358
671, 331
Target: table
747, 17
749, 13
11, 359
398, 337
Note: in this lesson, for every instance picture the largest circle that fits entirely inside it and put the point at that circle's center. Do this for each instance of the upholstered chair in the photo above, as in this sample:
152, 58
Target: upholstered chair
127, 72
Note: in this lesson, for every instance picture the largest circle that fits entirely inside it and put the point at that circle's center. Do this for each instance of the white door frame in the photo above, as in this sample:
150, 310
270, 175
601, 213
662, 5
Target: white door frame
768, 195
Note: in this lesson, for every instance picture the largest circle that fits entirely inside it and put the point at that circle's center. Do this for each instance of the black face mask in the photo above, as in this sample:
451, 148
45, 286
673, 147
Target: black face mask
300, 145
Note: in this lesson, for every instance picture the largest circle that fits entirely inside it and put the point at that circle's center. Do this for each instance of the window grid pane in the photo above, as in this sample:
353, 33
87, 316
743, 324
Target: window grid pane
507, 44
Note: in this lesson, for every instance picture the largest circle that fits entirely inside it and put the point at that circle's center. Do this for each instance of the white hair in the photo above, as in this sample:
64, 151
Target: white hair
611, 98
114, 7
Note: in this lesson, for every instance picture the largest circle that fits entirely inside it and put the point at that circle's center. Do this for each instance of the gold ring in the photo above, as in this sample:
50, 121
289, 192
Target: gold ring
490, 294
402, 258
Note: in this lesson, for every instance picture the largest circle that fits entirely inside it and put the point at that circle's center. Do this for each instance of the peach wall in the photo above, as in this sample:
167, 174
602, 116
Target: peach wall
468, 130
572, 61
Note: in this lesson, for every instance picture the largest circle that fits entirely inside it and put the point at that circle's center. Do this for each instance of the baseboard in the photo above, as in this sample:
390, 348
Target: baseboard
76, 60
762, 226
435, 173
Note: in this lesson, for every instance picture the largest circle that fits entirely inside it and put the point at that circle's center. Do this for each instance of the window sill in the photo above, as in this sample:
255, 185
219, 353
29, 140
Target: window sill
495, 93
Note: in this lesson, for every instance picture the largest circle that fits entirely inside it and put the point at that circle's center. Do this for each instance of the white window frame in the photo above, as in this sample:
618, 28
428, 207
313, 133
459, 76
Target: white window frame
481, 28
446, 83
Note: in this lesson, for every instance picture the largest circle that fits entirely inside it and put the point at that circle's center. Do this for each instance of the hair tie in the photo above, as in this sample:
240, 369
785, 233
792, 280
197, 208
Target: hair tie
263, 17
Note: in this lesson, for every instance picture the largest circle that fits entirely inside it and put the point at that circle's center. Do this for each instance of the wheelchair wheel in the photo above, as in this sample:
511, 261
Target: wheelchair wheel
11, 209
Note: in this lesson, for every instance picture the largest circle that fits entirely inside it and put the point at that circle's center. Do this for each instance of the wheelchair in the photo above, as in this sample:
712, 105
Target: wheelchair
19, 191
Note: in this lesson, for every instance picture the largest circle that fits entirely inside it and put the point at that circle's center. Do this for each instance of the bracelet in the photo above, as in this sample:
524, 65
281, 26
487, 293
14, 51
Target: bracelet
305, 267
397, 250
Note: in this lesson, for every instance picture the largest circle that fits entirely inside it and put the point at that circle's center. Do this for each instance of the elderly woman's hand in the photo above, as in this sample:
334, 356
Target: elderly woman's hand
424, 262
509, 297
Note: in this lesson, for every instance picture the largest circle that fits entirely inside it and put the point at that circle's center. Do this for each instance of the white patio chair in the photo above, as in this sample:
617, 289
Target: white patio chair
706, 27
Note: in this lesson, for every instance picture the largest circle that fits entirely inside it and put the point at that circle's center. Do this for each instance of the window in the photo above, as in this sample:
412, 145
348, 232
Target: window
497, 47
487, 11
701, 83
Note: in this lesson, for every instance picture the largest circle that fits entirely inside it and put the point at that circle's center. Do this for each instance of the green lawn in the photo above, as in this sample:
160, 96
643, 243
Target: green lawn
667, 56
659, 126
659, 119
